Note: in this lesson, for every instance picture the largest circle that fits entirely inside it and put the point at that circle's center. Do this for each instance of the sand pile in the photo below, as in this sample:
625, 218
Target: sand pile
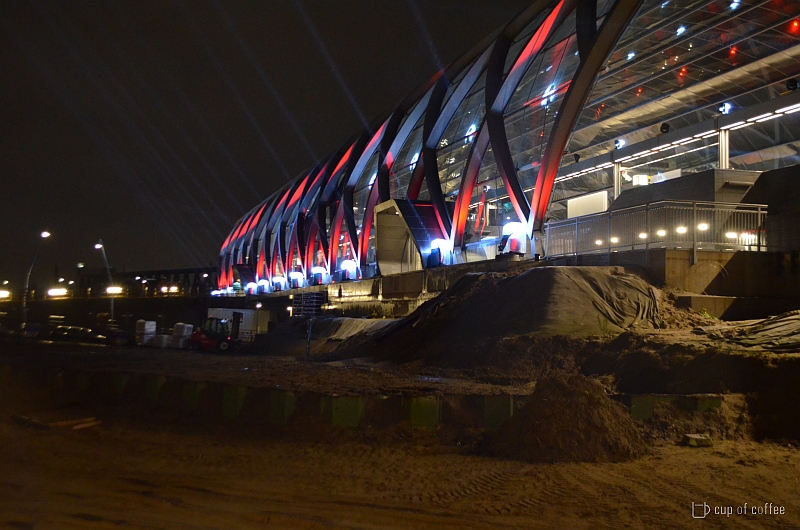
568, 419
467, 320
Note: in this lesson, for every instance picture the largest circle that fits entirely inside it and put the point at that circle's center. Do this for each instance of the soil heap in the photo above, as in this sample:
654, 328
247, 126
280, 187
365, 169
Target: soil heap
468, 319
568, 419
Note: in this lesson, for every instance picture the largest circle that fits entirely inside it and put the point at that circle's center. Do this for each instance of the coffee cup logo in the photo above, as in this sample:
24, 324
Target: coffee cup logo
699, 511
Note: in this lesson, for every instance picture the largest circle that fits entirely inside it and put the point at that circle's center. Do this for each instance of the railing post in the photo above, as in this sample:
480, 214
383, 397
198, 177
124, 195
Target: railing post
576, 237
546, 241
647, 232
694, 233
608, 236
758, 229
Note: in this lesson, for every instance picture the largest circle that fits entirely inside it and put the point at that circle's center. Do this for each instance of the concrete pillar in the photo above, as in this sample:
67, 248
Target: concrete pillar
724, 149
617, 179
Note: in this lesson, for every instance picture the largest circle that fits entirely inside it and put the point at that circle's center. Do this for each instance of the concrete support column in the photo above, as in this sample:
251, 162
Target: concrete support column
724, 149
617, 179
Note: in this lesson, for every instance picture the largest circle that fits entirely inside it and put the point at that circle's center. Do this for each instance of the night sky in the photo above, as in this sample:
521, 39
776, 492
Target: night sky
155, 125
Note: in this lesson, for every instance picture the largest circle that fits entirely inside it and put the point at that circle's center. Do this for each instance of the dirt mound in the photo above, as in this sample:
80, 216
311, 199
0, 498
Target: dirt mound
466, 321
568, 419
729, 422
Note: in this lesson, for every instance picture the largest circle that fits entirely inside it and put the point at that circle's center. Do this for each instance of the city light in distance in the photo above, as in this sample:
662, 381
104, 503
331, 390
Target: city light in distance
55, 293
702, 226
642, 236
681, 229
661, 233
731, 235
5, 294
114, 289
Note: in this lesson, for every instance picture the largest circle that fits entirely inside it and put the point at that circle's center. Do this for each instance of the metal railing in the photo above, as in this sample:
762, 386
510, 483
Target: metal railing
666, 224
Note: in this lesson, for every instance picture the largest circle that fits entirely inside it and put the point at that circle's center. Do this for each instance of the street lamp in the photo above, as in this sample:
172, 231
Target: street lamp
44, 235
99, 246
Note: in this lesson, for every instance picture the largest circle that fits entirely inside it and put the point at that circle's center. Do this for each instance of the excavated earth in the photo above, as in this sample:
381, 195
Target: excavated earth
568, 344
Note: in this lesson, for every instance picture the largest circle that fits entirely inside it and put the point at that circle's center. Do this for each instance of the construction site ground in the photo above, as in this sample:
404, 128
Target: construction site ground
571, 455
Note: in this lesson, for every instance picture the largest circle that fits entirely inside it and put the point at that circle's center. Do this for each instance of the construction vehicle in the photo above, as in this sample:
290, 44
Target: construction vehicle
217, 334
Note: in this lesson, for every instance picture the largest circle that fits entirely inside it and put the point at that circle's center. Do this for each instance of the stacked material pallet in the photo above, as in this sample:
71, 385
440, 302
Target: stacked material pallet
181, 336
145, 331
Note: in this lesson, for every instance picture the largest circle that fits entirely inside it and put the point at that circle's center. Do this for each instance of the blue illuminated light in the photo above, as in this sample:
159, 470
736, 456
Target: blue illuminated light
631, 55
681, 30
413, 163
470, 133
619, 144
549, 95
726, 108
734, 5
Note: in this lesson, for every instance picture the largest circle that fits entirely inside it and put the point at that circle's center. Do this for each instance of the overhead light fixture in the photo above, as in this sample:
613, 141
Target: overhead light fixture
681, 30
681, 230
643, 236
598, 242
726, 108
614, 240
631, 55
619, 144
702, 227
661, 233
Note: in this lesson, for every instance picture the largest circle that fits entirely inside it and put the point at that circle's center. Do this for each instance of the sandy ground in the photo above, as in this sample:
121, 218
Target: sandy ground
124, 474
351, 376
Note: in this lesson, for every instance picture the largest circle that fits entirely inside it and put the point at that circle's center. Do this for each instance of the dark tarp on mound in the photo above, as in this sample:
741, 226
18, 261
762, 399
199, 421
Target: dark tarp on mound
780, 333
545, 300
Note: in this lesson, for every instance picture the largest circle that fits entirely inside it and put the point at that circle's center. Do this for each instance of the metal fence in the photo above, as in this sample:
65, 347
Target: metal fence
666, 224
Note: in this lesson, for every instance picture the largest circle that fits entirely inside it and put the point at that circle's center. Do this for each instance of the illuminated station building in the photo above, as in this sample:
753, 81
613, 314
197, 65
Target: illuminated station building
552, 137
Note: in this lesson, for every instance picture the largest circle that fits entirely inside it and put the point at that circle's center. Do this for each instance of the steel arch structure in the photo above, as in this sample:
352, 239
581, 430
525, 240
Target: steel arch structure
490, 140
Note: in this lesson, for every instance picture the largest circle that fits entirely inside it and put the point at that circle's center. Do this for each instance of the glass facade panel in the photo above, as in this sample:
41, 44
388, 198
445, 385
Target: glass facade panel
363, 186
407, 159
458, 137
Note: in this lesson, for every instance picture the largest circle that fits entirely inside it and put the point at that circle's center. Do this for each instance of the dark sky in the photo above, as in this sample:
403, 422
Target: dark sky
155, 125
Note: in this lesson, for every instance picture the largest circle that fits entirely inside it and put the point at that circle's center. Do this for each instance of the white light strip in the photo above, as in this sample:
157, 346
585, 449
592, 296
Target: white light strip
772, 117
790, 108
742, 126
758, 118
732, 125
704, 134
673, 156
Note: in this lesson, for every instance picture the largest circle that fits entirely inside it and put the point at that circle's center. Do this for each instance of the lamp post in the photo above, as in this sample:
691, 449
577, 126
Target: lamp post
44, 235
99, 246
